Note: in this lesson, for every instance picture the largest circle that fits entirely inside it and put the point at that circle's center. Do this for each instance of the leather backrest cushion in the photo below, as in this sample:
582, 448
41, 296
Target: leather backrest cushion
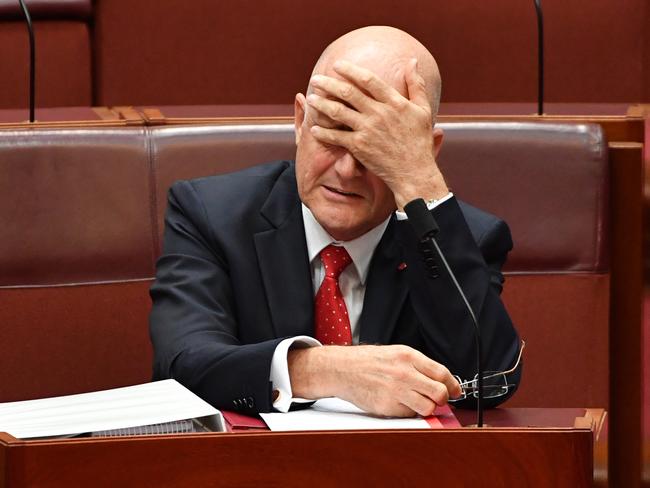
92, 188
74, 206
185, 152
548, 181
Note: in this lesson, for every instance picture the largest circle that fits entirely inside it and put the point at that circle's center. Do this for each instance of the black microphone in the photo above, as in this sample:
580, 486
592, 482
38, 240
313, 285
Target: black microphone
32, 61
426, 229
540, 57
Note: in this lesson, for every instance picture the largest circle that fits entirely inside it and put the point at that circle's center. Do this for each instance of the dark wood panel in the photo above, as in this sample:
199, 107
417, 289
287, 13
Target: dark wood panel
559, 457
626, 332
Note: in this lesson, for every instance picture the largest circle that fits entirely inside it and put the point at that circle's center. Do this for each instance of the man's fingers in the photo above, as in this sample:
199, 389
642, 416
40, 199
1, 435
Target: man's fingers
420, 404
366, 79
334, 137
334, 110
417, 92
343, 90
320, 119
430, 388
454, 388
439, 373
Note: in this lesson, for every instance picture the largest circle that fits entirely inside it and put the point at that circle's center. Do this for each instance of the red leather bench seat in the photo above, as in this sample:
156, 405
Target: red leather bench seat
83, 213
75, 261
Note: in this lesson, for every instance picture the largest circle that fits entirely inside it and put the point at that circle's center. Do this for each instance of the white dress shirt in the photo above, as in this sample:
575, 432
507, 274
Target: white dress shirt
352, 282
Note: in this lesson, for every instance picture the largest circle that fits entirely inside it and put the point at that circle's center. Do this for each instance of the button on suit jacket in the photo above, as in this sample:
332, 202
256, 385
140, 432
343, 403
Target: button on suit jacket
234, 280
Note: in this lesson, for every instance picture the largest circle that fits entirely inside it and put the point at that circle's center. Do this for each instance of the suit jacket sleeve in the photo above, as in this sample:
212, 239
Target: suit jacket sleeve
475, 245
193, 325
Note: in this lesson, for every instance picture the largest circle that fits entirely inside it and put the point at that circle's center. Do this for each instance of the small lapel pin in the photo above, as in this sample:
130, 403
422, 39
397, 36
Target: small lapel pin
402, 266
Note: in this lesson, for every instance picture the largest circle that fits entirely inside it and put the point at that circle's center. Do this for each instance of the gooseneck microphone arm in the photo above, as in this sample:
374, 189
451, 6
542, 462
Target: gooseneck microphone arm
540, 57
32, 61
426, 229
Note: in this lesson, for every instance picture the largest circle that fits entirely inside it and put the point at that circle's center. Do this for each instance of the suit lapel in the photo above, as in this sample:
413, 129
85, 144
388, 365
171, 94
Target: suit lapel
283, 261
385, 291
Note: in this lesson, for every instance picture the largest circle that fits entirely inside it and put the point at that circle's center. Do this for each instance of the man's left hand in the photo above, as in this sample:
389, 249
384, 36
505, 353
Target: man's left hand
389, 134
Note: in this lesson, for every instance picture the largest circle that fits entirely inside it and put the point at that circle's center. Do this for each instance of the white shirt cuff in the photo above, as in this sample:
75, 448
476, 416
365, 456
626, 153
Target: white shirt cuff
431, 204
280, 371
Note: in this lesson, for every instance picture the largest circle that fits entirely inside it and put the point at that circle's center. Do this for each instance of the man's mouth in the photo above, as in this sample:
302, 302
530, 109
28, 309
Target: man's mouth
339, 191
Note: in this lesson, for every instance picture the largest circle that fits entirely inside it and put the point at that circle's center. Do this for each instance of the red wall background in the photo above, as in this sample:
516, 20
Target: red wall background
261, 51
165, 52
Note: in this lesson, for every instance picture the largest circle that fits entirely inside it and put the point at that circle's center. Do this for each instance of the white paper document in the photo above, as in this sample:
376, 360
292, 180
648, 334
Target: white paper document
337, 414
120, 408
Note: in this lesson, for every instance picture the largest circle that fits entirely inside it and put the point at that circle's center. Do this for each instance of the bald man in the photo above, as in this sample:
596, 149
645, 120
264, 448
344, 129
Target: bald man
289, 282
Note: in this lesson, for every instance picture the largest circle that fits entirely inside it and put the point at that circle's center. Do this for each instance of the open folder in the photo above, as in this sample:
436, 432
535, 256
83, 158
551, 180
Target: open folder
152, 408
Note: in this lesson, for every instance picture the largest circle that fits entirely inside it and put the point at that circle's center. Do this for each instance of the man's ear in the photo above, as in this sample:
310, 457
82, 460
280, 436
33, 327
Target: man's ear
298, 115
437, 141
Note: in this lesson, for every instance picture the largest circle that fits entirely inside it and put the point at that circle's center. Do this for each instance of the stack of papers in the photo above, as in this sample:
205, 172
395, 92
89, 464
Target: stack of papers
337, 414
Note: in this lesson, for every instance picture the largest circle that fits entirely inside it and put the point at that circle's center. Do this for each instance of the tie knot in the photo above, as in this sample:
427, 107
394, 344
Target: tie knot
335, 259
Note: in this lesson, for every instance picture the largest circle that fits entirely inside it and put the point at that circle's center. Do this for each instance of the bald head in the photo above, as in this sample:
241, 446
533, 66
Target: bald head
385, 51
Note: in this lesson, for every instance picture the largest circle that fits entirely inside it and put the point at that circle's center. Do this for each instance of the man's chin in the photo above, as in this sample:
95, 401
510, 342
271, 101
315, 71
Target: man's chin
342, 229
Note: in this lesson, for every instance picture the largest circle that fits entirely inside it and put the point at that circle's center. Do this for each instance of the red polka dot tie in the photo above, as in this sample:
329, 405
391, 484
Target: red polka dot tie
331, 314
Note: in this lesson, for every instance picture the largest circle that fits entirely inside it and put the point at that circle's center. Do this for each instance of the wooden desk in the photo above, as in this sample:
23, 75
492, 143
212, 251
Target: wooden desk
527, 447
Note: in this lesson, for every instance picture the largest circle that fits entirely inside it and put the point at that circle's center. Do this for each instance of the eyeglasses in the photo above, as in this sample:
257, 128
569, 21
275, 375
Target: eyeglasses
495, 383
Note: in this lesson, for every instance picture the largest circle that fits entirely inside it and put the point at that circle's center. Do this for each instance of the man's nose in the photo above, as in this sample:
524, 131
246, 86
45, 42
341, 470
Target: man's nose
348, 167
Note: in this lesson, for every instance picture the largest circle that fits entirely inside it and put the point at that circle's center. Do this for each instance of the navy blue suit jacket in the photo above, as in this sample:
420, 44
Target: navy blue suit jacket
234, 280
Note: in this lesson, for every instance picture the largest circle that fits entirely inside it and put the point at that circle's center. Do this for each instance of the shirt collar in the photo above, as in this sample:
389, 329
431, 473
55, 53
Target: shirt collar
360, 249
